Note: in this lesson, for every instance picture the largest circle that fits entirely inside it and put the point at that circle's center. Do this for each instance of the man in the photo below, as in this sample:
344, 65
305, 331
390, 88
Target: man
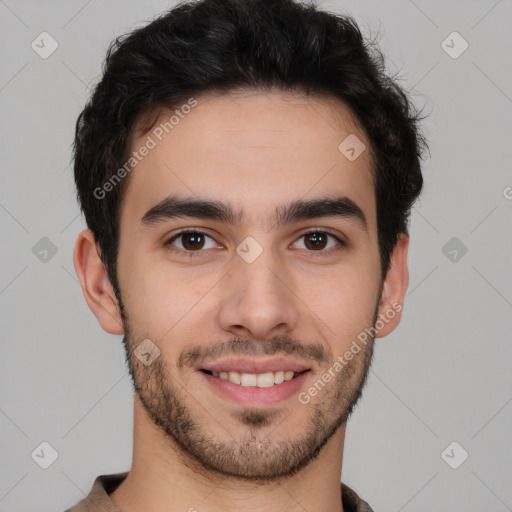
247, 173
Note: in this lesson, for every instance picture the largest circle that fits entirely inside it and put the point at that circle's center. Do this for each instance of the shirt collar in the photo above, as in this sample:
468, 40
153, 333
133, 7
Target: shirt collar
98, 500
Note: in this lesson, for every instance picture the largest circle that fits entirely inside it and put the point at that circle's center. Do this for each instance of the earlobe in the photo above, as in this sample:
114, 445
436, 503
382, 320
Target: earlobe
96, 287
393, 289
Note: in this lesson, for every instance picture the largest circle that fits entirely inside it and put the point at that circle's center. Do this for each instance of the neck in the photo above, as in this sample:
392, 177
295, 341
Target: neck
162, 477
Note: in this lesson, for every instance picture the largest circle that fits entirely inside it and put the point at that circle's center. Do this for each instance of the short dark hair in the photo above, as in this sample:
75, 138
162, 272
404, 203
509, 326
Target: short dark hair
220, 46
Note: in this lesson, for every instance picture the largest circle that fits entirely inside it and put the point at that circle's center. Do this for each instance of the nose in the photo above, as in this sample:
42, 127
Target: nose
257, 299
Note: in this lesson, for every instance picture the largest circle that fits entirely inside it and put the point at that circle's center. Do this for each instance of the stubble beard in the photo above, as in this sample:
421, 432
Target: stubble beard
255, 456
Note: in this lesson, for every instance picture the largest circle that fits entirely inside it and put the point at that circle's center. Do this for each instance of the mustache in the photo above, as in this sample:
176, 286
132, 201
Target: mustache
282, 345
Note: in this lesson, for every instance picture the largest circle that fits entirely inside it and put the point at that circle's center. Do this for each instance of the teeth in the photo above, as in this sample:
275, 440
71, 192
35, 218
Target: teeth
234, 377
261, 380
248, 379
265, 380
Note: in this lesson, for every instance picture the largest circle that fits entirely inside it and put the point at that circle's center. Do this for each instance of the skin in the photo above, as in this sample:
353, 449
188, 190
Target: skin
193, 448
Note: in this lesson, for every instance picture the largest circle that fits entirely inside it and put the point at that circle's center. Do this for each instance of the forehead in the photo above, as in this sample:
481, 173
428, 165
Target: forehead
252, 150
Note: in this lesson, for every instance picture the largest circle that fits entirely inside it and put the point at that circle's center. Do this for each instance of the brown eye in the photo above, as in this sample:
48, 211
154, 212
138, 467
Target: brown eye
316, 240
319, 241
190, 242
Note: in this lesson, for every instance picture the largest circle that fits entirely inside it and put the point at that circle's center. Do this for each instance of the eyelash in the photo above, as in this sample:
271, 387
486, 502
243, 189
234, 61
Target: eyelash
192, 254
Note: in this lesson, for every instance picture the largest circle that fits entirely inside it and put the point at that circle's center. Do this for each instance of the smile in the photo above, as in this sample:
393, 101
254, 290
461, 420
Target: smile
260, 380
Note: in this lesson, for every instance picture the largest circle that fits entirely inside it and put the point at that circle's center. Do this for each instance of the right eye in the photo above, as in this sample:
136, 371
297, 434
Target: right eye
191, 242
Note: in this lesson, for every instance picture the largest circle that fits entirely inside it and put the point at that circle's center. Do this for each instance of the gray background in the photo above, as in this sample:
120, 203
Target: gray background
444, 375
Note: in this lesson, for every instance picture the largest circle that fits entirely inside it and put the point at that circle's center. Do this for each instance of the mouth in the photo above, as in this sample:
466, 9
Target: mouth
255, 382
260, 380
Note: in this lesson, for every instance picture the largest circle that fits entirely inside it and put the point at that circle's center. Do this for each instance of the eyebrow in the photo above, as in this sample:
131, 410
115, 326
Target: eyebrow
209, 209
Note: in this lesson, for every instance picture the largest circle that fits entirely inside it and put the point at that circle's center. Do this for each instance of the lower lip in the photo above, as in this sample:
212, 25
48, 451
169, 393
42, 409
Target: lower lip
252, 395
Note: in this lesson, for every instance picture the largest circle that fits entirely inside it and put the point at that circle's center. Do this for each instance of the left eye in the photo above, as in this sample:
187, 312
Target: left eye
318, 240
194, 241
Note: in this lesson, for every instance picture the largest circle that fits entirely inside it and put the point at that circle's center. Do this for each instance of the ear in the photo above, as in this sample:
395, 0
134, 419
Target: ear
96, 286
393, 289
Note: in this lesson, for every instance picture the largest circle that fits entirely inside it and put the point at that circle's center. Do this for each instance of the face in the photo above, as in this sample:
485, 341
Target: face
238, 295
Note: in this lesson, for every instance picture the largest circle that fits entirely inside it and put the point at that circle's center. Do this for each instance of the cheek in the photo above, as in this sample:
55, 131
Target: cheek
344, 300
159, 301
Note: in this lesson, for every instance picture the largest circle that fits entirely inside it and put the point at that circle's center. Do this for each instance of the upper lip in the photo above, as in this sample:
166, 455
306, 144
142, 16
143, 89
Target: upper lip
244, 365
